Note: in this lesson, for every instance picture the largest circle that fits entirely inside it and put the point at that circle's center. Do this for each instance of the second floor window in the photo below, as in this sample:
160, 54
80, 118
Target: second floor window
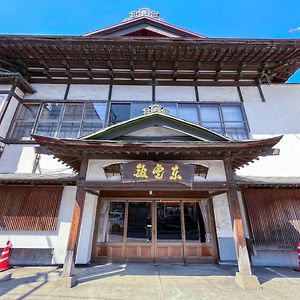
68, 120
73, 120
225, 119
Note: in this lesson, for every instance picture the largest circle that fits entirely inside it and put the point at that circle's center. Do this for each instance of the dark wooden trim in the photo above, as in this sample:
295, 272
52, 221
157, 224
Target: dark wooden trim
71, 251
213, 231
197, 94
153, 93
242, 253
262, 96
110, 185
240, 93
67, 91
178, 82
96, 228
7, 102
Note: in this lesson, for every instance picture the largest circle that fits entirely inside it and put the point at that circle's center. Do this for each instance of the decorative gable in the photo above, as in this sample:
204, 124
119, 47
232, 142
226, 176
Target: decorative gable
144, 23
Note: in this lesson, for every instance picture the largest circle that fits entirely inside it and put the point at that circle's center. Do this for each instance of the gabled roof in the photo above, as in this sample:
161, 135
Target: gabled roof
156, 26
186, 130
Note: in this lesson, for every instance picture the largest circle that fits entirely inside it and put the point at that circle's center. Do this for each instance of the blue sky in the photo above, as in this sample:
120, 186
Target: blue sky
219, 18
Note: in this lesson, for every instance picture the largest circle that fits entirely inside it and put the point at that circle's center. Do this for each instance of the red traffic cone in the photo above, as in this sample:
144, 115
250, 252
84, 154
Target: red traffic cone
298, 252
4, 257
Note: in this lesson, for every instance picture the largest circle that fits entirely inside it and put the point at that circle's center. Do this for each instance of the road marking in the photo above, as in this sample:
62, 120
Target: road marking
278, 273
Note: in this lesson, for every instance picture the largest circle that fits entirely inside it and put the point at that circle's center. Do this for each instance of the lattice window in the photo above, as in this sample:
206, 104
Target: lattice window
274, 216
29, 208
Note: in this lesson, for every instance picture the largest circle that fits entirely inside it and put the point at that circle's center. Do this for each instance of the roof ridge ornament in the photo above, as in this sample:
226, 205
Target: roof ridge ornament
143, 12
155, 108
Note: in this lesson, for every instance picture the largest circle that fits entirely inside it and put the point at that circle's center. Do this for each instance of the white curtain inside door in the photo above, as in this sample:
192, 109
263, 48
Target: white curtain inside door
103, 221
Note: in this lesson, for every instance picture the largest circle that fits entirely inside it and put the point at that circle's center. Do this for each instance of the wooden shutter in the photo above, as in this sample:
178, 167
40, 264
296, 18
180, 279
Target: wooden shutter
274, 216
32, 208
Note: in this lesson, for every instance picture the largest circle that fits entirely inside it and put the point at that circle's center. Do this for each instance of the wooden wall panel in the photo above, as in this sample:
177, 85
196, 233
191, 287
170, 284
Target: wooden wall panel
274, 216
30, 208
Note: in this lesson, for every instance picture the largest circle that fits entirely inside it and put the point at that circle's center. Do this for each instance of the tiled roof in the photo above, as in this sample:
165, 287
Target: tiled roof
19, 178
267, 181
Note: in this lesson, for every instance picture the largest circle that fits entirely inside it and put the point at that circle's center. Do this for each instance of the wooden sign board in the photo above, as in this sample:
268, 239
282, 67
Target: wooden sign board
143, 171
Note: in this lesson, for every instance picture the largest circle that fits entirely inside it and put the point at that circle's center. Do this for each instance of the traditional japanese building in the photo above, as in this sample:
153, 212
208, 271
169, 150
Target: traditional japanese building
145, 142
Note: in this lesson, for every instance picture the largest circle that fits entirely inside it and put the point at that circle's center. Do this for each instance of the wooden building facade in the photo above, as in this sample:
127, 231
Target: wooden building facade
133, 143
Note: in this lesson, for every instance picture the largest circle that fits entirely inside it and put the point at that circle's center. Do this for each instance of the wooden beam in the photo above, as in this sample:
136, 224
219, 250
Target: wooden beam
242, 254
69, 263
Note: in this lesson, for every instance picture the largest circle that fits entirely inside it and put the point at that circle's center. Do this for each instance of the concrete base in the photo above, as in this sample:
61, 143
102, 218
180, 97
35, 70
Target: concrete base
247, 282
5, 276
67, 282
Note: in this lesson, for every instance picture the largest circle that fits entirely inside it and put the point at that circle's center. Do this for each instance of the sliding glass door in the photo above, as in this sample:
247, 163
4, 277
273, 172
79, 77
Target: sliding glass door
154, 231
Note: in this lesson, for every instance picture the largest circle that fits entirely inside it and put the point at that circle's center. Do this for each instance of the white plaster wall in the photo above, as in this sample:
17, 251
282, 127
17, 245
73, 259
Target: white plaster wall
222, 216
3, 98
283, 165
6, 121
64, 224
250, 93
224, 228
49, 164
47, 239
17, 159
175, 93
279, 115
218, 94
88, 92
47, 91
85, 243
131, 92
95, 170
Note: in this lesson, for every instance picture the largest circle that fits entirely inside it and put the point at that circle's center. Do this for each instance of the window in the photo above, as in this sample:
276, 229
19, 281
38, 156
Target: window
119, 112
64, 120
139, 222
30, 208
225, 119
72, 120
124, 111
48, 121
94, 118
25, 120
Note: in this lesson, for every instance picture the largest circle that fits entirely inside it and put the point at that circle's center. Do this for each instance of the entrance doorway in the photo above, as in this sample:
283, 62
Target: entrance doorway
154, 231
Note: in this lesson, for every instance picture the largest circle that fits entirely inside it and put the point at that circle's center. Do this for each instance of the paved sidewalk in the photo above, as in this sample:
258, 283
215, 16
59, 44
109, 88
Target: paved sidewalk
149, 281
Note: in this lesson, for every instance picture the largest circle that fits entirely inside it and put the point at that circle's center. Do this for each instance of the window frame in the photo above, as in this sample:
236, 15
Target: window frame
43, 102
106, 114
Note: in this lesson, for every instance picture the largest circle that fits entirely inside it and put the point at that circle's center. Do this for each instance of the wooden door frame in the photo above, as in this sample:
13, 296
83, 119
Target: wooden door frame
154, 244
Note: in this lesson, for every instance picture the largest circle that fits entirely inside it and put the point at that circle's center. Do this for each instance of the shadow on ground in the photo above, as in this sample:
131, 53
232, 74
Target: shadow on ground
95, 272
19, 277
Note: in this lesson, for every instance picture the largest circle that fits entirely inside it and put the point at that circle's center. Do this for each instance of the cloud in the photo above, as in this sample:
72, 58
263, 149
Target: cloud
294, 29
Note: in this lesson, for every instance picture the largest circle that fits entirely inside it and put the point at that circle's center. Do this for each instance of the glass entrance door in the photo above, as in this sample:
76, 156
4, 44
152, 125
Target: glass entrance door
154, 231
169, 242
139, 239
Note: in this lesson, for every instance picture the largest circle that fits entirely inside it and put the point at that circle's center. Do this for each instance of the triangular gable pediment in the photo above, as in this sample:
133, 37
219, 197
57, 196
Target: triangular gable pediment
144, 25
155, 127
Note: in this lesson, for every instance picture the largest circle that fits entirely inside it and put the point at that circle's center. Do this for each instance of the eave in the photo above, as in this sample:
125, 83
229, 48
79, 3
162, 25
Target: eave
71, 152
121, 60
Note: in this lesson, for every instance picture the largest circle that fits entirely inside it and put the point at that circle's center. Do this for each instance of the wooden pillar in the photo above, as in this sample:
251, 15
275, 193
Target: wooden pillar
238, 229
69, 263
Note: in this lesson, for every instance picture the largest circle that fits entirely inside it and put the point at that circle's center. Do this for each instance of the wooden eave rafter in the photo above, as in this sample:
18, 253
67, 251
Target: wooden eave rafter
71, 152
122, 59
17, 79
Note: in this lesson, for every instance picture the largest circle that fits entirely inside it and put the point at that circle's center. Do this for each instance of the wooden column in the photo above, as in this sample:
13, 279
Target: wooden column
238, 229
69, 263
